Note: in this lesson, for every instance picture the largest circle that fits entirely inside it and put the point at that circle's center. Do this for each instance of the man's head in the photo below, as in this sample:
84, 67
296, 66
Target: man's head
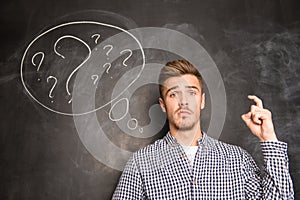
175, 69
182, 97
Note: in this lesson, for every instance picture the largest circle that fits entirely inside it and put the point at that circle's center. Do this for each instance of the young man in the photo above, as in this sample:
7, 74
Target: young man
188, 164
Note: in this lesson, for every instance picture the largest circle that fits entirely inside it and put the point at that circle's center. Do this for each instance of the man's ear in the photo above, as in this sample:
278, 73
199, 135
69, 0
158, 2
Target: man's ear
203, 101
162, 104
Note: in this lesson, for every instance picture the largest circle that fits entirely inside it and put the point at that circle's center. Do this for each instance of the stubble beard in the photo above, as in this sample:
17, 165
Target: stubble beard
184, 126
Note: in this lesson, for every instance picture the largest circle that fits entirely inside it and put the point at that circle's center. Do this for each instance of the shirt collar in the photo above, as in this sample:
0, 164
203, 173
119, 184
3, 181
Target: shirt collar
173, 142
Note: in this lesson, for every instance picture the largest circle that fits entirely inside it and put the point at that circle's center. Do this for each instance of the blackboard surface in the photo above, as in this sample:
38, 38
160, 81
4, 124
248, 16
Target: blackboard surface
78, 90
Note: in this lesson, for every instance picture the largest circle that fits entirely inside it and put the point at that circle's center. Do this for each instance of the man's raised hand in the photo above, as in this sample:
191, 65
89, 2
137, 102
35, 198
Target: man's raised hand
259, 121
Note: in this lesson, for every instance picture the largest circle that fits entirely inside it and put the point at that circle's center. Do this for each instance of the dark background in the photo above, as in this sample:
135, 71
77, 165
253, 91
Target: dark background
254, 43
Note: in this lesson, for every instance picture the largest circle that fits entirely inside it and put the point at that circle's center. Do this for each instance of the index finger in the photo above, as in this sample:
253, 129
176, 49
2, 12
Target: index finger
257, 100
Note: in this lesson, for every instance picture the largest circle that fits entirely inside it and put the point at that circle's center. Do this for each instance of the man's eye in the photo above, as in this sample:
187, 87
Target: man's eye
193, 93
173, 95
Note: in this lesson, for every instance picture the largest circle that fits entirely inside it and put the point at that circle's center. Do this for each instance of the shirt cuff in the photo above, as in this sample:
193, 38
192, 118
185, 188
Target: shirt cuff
272, 149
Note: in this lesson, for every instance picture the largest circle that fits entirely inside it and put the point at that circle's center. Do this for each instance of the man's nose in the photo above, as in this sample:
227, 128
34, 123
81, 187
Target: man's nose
183, 101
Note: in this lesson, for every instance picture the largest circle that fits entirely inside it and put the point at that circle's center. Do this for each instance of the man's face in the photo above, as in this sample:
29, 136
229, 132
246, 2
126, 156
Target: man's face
182, 101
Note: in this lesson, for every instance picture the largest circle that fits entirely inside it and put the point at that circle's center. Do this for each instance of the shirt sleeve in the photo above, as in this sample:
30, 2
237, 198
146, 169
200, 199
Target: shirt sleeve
130, 184
275, 182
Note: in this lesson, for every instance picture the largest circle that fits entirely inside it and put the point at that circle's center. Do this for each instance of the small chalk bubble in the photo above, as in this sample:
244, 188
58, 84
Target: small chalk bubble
111, 77
132, 124
52, 101
141, 130
39, 79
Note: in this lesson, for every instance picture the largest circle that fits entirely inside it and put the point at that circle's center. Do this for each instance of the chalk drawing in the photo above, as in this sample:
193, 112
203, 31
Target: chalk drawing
81, 64
97, 36
41, 60
125, 113
53, 86
130, 54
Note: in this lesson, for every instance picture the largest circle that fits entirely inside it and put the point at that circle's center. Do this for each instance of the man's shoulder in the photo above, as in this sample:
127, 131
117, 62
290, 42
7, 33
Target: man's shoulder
152, 155
225, 148
152, 149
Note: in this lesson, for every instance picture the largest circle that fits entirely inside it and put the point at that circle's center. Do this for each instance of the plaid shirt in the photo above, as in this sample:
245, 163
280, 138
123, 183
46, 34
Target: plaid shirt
220, 171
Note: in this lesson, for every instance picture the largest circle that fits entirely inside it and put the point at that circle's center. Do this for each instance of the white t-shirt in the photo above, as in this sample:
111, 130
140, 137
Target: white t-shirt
190, 151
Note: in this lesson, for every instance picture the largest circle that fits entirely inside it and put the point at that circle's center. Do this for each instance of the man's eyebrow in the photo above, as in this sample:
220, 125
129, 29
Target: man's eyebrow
172, 88
189, 87
192, 87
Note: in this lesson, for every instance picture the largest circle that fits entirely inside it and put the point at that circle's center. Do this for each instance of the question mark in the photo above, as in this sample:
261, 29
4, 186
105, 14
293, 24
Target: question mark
41, 61
97, 35
53, 86
109, 50
95, 78
108, 67
130, 54
78, 67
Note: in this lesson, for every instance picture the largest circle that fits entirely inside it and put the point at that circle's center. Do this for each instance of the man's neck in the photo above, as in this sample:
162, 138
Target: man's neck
187, 137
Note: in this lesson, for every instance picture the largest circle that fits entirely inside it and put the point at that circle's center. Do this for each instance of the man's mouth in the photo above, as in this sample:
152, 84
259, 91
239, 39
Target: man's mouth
184, 112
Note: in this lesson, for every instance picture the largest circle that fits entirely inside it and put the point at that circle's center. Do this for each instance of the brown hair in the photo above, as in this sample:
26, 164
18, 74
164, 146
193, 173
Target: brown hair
177, 68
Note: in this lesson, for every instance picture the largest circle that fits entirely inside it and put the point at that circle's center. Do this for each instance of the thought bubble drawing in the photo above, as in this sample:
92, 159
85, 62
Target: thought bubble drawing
64, 50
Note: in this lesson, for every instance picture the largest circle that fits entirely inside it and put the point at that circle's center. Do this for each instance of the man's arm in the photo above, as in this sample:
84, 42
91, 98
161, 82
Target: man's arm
276, 182
130, 184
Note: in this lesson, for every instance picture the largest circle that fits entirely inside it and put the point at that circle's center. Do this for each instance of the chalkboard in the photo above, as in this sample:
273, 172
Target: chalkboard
79, 91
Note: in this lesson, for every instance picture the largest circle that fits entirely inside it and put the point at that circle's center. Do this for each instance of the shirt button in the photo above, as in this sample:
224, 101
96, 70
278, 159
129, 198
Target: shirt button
182, 156
194, 182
